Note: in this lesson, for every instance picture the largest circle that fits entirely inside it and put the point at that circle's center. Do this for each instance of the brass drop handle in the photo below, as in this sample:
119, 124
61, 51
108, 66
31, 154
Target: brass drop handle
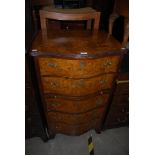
55, 104
53, 84
108, 63
53, 65
99, 101
78, 84
103, 81
82, 64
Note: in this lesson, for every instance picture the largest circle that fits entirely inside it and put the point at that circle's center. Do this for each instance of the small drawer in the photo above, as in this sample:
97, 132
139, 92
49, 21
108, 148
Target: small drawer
75, 119
76, 87
74, 129
62, 104
78, 68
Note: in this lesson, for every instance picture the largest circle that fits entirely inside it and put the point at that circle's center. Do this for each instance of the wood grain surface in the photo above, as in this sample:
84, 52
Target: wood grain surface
73, 106
76, 87
78, 68
75, 44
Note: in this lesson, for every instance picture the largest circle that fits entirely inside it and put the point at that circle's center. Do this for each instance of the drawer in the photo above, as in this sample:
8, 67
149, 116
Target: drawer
62, 104
76, 87
75, 119
78, 68
74, 129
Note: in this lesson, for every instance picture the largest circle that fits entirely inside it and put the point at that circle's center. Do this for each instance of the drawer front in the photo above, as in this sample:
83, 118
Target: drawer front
77, 105
74, 129
78, 68
76, 87
54, 117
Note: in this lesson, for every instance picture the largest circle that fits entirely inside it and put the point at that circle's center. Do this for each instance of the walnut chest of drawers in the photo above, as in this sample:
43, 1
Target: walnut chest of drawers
76, 71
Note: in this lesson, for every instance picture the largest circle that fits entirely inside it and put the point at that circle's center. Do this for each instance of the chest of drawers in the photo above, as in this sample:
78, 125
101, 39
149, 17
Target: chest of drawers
76, 71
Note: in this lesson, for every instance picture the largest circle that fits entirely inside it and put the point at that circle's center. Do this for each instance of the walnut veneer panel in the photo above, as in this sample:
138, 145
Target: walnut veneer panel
78, 68
72, 43
56, 103
76, 87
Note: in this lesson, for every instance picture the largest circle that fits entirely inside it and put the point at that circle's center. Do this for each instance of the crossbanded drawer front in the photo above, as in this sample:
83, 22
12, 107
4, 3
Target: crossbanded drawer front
76, 87
77, 105
54, 117
74, 129
78, 68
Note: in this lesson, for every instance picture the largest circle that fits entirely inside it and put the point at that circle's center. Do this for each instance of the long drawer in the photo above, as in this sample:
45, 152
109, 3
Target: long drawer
76, 87
78, 68
75, 119
61, 104
74, 129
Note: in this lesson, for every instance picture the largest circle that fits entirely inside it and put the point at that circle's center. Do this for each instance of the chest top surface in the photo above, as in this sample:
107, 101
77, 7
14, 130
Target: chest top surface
74, 44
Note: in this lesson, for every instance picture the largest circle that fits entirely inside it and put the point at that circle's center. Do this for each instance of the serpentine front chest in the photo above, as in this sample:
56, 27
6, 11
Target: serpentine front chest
76, 71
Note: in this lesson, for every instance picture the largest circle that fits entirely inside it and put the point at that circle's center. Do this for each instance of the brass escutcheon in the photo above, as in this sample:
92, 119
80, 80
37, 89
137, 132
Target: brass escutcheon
52, 65
82, 64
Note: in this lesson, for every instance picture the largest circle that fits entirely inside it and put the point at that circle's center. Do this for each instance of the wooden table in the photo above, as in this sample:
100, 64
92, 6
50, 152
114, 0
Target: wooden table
87, 14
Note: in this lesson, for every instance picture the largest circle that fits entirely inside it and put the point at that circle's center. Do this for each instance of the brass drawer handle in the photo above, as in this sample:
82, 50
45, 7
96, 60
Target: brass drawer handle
53, 84
79, 84
123, 81
82, 64
99, 101
55, 104
52, 65
108, 63
103, 81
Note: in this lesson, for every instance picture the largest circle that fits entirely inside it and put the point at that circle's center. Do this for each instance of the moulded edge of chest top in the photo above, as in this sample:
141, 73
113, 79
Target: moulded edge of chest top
36, 53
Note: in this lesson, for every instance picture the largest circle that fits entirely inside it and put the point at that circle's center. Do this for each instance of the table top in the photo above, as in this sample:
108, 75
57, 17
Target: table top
52, 8
71, 43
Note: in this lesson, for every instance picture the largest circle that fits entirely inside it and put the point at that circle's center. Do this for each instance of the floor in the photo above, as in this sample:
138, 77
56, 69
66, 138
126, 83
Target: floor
109, 142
